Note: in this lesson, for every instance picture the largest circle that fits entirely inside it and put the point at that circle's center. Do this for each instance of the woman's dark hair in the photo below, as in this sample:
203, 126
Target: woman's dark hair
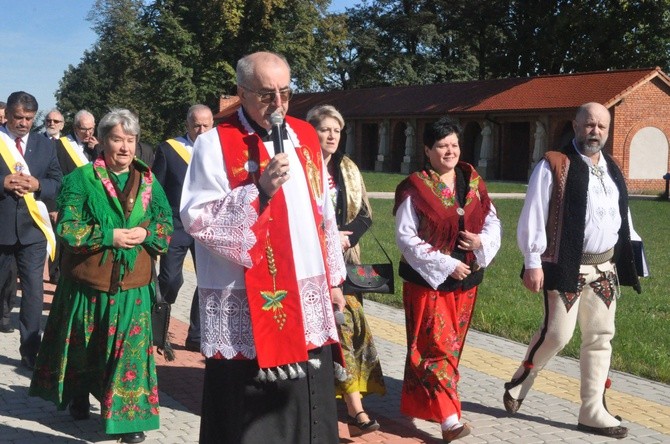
439, 130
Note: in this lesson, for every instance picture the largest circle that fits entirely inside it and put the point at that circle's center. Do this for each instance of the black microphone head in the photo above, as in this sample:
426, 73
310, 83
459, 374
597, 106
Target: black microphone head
276, 118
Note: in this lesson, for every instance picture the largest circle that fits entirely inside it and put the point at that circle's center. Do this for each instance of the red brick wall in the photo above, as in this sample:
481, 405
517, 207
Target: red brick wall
648, 105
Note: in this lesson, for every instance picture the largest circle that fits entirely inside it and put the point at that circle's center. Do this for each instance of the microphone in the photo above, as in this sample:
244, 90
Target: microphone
276, 121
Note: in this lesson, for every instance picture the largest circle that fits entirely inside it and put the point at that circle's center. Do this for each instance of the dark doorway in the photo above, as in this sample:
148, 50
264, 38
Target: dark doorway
470, 143
369, 146
397, 148
516, 151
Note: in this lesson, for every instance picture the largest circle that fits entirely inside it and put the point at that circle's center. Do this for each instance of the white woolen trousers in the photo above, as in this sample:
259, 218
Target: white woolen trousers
596, 322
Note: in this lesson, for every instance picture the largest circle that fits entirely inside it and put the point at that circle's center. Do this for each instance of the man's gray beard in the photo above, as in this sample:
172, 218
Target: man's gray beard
589, 150
51, 133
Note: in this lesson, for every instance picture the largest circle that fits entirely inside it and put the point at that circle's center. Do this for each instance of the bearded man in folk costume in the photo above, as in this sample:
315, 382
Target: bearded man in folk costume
269, 269
575, 234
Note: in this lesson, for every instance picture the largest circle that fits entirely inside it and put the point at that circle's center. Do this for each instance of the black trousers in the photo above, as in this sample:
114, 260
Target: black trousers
8, 292
30, 268
236, 409
171, 278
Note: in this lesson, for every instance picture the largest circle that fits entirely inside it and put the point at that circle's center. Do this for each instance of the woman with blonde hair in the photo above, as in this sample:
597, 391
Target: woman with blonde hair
354, 217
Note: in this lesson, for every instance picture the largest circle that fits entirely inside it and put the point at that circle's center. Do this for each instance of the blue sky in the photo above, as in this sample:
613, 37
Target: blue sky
39, 40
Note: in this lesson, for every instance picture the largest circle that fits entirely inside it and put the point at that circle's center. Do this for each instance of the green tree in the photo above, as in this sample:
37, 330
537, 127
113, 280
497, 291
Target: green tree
158, 58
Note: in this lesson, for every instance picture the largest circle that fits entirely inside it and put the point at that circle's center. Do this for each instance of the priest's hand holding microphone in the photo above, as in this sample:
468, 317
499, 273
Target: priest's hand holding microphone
277, 171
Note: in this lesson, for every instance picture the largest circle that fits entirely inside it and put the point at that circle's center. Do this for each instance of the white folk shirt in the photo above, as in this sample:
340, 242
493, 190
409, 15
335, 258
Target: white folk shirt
603, 219
435, 266
223, 252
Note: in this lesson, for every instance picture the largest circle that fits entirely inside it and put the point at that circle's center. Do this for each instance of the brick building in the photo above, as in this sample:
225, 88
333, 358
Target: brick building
508, 123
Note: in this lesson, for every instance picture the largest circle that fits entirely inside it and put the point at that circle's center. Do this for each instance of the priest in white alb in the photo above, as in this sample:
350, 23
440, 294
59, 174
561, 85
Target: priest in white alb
269, 269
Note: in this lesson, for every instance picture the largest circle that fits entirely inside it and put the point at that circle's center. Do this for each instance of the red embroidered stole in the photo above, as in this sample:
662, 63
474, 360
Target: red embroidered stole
438, 207
271, 282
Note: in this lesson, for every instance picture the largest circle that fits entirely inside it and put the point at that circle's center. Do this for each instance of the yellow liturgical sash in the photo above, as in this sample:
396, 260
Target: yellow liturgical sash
76, 158
38, 211
181, 150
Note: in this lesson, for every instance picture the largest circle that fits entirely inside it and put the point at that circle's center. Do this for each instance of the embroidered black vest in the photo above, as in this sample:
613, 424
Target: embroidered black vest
570, 201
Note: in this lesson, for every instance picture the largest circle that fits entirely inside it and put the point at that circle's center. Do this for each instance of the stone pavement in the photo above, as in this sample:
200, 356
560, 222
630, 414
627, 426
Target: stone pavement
549, 414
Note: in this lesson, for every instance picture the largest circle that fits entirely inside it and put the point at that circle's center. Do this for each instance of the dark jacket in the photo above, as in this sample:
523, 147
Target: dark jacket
170, 171
15, 220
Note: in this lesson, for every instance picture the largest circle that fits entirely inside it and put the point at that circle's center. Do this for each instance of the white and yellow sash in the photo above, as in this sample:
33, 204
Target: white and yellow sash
181, 150
38, 211
79, 158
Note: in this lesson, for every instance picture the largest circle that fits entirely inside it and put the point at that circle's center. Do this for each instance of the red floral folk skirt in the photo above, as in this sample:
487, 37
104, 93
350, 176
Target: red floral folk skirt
437, 323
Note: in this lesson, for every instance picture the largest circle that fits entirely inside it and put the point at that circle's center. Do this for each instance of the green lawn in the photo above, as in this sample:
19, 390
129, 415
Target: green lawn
388, 181
505, 308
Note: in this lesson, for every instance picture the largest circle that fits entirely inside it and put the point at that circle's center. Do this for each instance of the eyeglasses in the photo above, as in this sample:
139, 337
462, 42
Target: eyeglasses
86, 130
268, 97
53, 121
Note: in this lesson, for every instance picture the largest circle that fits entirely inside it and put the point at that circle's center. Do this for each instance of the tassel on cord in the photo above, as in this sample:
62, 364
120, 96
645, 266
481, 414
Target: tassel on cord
301, 372
271, 376
166, 350
315, 363
261, 376
340, 372
292, 373
282, 374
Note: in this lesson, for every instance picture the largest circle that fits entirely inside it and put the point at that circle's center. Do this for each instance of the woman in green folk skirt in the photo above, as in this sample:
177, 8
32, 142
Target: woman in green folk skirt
114, 219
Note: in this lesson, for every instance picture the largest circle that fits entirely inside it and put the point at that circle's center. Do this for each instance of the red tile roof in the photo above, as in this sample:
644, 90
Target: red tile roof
227, 106
551, 92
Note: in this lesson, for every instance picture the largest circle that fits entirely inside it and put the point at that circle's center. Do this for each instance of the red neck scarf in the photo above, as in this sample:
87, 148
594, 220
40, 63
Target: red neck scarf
438, 207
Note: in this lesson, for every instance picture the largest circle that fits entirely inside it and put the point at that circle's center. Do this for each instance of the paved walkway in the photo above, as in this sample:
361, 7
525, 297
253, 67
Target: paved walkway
548, 415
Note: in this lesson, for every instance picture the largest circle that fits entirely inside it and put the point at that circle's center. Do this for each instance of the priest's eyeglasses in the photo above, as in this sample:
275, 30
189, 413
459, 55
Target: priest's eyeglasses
268, 97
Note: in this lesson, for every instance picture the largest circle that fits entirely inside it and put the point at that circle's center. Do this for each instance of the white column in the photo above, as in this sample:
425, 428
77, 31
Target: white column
383, 148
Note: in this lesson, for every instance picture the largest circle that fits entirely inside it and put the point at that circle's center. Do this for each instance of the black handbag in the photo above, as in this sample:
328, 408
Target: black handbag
160, 323
370, 278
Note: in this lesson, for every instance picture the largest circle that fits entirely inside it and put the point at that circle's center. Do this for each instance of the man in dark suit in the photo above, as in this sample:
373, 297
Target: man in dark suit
29, 172
73, 150
172, 159
80, 147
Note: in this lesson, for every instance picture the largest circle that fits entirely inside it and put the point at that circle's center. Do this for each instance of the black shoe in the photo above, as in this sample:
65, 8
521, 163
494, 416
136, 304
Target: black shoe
80, 408
132, 437
6, 329
358, 427
28, 362
193, 346
511, 405
617, 432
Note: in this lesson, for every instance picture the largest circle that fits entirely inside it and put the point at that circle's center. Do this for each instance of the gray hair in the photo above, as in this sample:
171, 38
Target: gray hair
246, 66
118, 116
194, 109
316, 115
3, 105
81, 114
52, 110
